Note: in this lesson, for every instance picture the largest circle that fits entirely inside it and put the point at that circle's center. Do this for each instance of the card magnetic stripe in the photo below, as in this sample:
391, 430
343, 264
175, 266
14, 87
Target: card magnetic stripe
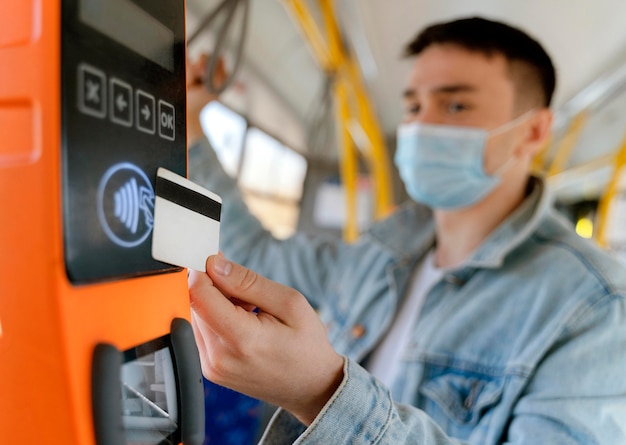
190, 199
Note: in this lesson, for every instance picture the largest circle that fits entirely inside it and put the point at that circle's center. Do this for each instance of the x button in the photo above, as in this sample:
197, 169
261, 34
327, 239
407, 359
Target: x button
91, 91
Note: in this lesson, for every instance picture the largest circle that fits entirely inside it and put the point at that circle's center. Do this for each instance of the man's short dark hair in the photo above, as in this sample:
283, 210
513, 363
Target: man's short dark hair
489, 37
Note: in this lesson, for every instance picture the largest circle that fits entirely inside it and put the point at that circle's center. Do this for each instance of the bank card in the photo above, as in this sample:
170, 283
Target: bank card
186, 222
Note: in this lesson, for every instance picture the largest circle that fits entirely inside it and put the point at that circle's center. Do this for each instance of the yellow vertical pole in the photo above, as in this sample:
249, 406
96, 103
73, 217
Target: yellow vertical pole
377, 155
348, 154
352, 108
609, 195
567, 144
348, 163
540, 160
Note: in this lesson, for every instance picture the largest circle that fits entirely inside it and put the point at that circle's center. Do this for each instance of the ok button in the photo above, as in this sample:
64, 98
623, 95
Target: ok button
166, 120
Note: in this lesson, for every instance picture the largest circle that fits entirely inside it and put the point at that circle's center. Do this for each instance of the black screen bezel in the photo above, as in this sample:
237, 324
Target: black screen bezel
89, 254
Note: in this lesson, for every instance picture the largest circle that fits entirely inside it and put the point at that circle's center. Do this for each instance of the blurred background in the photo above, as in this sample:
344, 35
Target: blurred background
308, 124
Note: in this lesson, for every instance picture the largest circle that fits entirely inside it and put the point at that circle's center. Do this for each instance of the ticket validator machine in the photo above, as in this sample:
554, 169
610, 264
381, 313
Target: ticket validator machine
96, 347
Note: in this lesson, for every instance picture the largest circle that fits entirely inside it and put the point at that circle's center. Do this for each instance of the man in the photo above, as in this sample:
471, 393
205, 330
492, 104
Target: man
485, 320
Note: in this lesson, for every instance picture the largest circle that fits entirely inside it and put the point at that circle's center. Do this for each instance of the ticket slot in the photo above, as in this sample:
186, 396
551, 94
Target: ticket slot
150, 394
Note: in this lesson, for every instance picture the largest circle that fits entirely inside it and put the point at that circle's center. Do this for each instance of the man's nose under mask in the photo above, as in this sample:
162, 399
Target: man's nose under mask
442, 166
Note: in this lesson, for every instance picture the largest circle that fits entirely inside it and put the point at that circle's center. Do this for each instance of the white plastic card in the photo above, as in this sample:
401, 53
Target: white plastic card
186, 222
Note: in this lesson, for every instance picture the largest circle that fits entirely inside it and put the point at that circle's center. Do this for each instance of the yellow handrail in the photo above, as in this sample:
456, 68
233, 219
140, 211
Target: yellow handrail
609, 195
353, 109
378, 160
541, 158
302, 16
567, 144
348, 163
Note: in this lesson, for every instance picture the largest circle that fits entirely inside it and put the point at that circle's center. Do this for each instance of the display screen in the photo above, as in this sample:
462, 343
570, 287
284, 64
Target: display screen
131, 26
123, 117
149, 396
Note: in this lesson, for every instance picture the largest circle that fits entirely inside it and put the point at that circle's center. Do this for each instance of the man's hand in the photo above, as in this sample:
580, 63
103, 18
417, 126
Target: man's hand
278, 353
197, 94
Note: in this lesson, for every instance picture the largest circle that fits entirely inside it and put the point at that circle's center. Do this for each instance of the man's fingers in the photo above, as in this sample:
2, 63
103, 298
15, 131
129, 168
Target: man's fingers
249, 287
196, 70
220, 73
214, 308
202, 346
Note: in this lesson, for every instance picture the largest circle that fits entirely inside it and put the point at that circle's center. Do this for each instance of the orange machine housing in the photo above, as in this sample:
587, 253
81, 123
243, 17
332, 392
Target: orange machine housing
48, 326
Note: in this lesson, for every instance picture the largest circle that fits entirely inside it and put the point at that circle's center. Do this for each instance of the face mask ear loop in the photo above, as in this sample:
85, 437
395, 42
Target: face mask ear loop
504, 167
501, 129
513, 123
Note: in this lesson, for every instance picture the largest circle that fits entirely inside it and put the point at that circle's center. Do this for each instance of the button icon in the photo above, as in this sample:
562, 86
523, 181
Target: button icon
121, 102
166, 120
145, 112
91, 91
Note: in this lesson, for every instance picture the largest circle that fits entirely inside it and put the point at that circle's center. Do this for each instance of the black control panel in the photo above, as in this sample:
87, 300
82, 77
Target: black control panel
123, 116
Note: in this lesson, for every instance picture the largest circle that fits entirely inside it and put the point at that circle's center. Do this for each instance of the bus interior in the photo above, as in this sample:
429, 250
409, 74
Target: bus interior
308, 124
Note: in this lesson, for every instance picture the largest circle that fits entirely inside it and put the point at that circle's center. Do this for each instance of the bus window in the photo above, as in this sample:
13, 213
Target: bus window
272, 178
271, 175
226, 131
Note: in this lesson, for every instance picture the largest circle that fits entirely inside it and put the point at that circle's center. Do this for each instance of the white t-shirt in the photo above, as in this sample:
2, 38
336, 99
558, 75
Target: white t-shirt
385, 360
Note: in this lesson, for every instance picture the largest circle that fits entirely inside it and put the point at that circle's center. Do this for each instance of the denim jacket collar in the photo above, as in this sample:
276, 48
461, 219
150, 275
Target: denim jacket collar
417, 231
408, 233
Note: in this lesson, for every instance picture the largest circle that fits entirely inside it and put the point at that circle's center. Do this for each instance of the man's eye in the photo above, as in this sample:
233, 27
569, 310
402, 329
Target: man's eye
413, 109
457, 107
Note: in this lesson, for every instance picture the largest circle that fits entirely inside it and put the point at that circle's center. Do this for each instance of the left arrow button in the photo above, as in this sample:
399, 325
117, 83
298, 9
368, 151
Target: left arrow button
120, 102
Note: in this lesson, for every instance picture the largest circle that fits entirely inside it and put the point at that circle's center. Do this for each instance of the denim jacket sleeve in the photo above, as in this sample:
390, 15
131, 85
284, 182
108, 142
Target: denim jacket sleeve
567, 400
360, 412
300, 261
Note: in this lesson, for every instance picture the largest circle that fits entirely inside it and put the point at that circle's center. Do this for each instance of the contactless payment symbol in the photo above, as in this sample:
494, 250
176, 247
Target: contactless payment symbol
126, 204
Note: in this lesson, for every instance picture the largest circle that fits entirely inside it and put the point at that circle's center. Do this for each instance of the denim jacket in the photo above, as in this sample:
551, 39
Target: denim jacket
525, 343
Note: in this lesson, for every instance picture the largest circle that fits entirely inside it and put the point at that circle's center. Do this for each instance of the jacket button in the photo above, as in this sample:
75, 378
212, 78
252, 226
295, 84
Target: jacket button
453, 279
358, 331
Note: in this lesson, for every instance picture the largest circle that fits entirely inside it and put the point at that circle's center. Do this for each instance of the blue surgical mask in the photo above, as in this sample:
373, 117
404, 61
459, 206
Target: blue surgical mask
442, 166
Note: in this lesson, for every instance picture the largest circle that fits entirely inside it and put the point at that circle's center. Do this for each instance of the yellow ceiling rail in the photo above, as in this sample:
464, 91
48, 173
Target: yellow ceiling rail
584, 168
607, 199
568, 141
353, 110
337, 53
303, 17
540, 160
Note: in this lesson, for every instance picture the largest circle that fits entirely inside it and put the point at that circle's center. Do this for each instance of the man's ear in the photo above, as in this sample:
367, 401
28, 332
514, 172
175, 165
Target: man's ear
537, 132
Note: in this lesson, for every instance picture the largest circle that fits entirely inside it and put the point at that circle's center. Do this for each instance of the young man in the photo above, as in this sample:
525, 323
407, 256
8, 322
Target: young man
480, 315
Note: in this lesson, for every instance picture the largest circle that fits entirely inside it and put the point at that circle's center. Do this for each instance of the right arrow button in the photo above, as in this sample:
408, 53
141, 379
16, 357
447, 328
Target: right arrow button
145, 112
